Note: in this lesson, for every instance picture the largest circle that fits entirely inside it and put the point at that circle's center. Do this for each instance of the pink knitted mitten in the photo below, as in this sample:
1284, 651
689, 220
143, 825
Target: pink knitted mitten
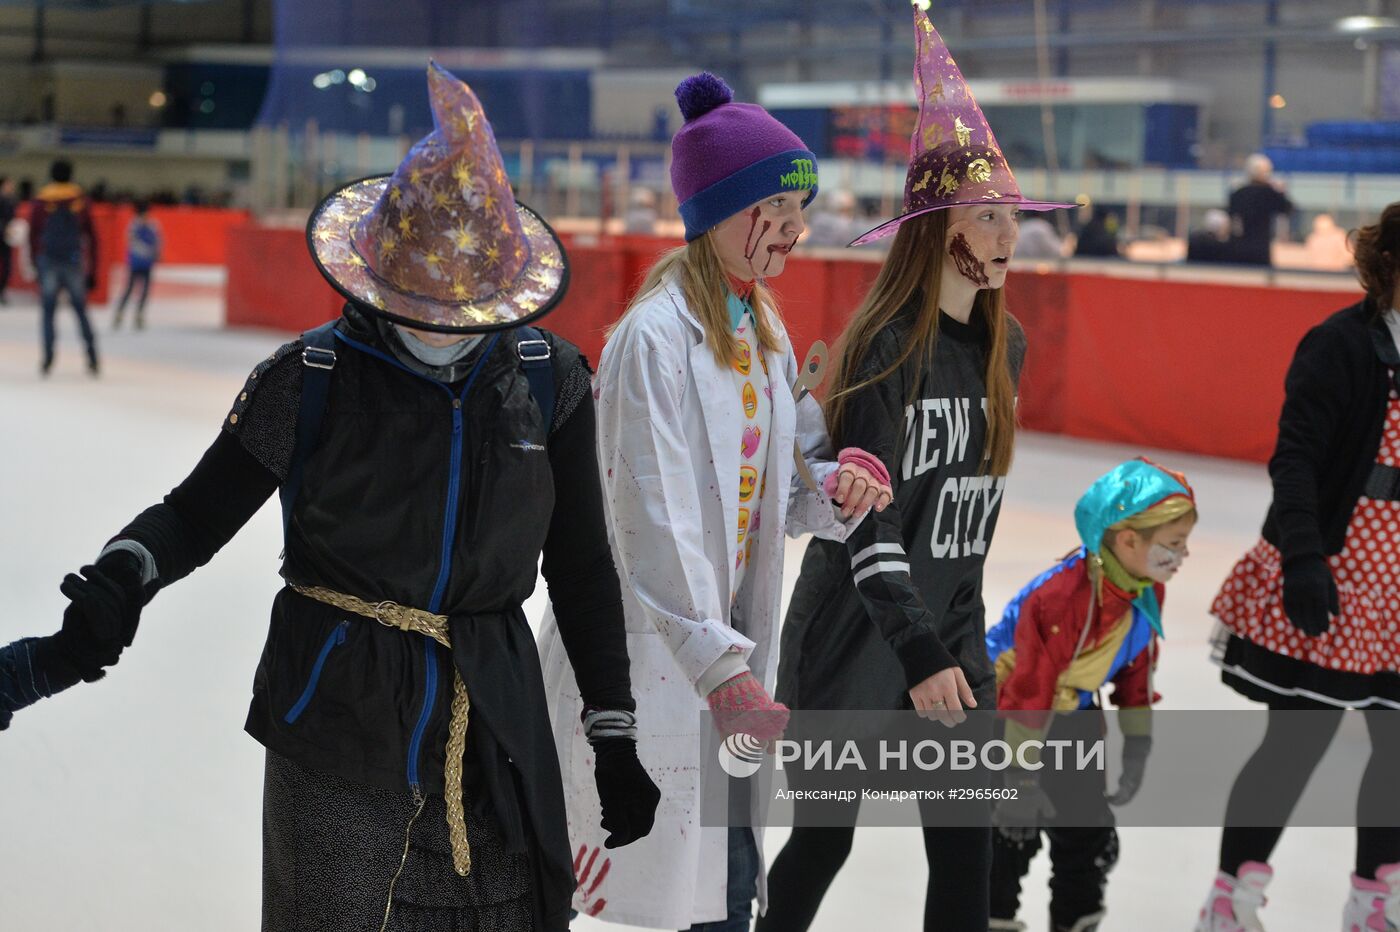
856, 457
742, 706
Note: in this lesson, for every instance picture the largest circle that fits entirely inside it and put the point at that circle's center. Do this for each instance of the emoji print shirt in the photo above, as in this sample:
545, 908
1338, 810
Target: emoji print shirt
754, 394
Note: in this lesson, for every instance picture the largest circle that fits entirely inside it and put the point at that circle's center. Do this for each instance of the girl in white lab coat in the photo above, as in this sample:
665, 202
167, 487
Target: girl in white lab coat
697, 427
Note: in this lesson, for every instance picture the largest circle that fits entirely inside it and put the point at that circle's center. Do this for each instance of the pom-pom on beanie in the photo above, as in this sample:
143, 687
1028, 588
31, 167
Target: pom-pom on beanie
728, 156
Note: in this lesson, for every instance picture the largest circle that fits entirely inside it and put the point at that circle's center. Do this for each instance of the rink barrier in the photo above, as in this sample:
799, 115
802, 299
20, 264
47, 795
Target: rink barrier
1192, 366
191, 236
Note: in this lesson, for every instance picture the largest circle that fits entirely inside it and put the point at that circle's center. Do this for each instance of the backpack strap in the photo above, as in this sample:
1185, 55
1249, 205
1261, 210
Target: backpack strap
535, 360
318, 360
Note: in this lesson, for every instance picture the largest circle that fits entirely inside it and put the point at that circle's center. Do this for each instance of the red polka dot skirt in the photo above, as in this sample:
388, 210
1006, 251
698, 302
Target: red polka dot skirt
1355, 662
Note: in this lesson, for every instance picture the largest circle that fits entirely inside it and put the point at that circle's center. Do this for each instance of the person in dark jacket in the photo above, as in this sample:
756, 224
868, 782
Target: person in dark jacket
1308, 617
399, 697
893, 619
1211, 243
1254, 206
64, 248
1099, 237
7, 213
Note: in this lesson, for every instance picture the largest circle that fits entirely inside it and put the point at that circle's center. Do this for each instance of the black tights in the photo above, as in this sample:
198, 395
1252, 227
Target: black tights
1279, 771
959, 868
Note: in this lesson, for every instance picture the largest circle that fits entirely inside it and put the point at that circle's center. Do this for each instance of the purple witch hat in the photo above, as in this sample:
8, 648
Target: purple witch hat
441, 244
953, 157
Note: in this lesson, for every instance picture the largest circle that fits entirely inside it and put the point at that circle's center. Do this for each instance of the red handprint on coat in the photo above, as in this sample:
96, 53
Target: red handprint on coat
583, 871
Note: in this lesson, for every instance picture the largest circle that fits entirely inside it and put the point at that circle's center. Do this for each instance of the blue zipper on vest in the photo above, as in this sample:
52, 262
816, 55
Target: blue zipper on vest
336, 638
449, 528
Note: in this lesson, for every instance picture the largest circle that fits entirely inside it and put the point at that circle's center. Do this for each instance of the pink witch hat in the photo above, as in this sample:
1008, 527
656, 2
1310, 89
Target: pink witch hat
953, 157
441, 244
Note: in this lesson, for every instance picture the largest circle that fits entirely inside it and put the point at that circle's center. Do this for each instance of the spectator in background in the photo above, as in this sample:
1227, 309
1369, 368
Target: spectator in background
1038, 240
1211, 243
1326, 246
143, 242
832, 220
1099, 237
64, 248
641, 213
1253, 209
7, 213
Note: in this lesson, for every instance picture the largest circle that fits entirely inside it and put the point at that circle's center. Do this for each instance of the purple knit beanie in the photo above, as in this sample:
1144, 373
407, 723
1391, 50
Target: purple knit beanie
728, 156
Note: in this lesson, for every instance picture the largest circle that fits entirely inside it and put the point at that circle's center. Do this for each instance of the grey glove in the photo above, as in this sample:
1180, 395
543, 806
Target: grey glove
1135, 751
1020, 819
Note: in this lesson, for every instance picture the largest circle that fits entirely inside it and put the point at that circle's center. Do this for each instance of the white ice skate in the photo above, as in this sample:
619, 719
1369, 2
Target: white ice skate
1374, 905
1233, 904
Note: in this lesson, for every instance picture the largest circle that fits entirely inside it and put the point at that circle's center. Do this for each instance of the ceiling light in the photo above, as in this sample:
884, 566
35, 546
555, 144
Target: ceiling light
1365, 23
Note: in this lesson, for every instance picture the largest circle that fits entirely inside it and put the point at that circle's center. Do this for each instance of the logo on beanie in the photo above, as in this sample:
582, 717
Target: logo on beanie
802, 176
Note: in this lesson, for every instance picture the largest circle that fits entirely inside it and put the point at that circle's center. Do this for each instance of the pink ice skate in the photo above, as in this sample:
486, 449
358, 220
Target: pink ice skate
1233, 904
1374, 905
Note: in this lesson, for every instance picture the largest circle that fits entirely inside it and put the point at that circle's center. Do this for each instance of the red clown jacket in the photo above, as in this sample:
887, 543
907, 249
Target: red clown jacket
1033, 647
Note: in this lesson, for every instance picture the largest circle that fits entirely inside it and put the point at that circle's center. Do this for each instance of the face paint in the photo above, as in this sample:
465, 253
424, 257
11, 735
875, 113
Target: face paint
751, 242
969, 266
783, 248
1163, 562
769, 229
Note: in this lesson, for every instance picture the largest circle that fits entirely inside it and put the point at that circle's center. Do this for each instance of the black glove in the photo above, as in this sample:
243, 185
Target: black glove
32, 669
1309, 594
1020, 819
101, 615
1135, 751
628, 796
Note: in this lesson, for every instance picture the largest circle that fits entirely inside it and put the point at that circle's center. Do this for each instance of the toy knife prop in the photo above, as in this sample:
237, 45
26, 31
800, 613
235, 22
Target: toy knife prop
808, 378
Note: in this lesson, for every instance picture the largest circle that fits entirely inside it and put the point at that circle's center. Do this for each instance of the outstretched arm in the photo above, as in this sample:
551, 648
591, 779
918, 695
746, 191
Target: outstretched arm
164, 543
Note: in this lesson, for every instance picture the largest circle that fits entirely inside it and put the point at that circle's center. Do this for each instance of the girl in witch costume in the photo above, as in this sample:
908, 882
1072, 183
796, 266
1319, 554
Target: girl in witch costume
697, 431
1308, 617
892, 618
428, 446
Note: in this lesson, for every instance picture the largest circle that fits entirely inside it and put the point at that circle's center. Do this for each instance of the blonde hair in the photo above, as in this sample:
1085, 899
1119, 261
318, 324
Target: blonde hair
697, 270
1159, 515
915, 262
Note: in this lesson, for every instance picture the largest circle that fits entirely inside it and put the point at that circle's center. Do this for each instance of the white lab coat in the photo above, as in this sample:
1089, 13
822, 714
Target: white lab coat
669, 429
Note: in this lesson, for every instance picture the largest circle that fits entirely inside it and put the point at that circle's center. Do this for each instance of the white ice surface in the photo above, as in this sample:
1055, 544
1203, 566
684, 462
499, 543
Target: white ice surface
135, 803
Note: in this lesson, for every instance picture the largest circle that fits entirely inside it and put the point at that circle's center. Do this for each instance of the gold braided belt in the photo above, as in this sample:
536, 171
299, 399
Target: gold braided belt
418, 621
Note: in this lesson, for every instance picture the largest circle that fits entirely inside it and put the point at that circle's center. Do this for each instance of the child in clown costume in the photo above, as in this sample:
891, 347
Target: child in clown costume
1091, 620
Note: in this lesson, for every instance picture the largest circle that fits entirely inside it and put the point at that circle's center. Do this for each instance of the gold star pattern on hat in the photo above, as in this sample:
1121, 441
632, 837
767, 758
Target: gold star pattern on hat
954, 158
442, 242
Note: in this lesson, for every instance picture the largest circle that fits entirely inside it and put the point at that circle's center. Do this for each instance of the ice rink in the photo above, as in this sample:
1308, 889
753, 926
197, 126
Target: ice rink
135, 803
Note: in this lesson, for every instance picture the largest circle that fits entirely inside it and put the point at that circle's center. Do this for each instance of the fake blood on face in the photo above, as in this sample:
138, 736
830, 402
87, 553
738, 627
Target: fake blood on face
751, 242
969, 266
783, 248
